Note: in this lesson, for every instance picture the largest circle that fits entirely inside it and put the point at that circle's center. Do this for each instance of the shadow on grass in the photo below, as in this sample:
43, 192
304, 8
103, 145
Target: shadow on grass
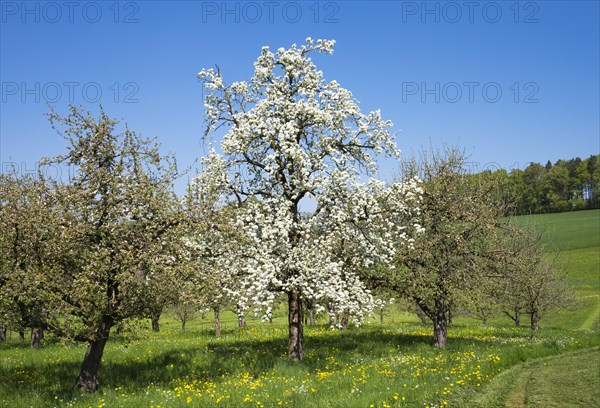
210, 358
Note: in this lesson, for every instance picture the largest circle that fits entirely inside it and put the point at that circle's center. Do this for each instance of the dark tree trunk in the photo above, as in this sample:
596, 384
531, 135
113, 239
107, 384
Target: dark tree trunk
345, 318
155, 317
440, 326
381, 316
22, 335
37, 335
120, 327
37, 327
535, 320
517, 316
88, 377
217, 321
3, 331
295, 325
183, 322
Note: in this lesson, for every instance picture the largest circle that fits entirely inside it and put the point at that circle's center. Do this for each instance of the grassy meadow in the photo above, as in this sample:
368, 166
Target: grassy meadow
575, 237
570, 379
377, 365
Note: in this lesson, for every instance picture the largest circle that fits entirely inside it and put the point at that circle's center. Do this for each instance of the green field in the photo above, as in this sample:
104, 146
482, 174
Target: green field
575, 237
567, 231
376, 365
568, 380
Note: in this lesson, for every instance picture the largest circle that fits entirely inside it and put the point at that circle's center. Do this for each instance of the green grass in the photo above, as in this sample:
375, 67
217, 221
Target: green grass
376, 365
566, 231
573, 379
575, 237
582, 266
569, 380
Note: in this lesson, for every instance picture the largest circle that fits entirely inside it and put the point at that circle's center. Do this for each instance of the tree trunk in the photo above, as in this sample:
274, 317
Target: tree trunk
22, 335
331, 314
484, 314
440, 327
295, 325
535, 320
3, 331
217, 321
310, 318
37, 335
88, 376
183, 321
155, 317
449, 314
241, 321
516, 318
345, 318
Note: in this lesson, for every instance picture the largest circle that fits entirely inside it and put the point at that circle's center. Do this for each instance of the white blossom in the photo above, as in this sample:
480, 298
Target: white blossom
292, 136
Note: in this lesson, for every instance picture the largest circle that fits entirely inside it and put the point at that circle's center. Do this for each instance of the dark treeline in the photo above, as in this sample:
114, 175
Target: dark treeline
566, 185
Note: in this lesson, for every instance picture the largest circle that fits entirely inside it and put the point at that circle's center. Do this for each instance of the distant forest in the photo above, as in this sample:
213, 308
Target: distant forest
566, 185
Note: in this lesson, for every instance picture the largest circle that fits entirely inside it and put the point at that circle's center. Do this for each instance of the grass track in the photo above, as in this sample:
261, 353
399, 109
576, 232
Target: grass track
568, 380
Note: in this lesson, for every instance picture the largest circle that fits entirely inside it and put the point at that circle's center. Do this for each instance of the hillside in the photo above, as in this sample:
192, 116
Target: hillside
575, 236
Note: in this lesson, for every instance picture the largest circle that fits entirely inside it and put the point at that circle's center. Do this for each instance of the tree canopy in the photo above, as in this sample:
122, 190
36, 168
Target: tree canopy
292, 137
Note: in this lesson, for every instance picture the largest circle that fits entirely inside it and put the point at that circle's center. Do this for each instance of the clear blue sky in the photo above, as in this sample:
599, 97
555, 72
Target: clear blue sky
509, 82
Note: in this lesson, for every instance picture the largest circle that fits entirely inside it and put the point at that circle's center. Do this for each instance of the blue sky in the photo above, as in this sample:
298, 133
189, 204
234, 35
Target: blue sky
510, 82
